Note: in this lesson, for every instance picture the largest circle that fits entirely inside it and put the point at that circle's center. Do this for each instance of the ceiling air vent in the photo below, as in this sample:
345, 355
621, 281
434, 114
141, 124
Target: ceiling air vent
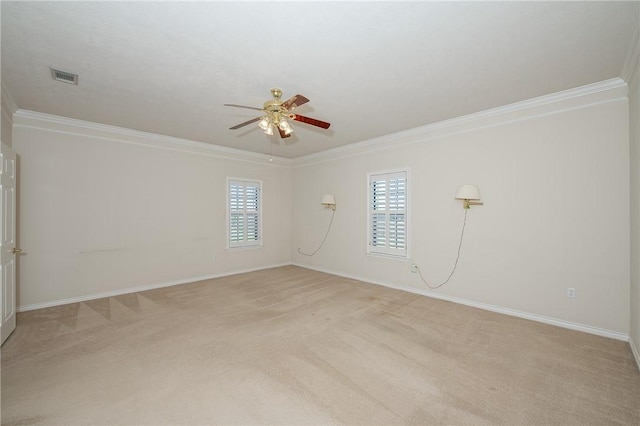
65, 77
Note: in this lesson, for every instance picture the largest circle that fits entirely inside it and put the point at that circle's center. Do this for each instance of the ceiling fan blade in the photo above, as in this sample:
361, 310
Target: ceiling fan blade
283, 134
311, 121
243, 106
294, 101
237, 126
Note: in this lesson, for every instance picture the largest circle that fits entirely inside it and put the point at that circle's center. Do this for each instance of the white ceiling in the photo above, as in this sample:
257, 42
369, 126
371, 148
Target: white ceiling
369, 68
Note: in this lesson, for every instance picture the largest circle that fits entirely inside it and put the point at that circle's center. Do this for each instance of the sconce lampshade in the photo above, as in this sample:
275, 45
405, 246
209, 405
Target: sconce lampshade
468, 192
328, 200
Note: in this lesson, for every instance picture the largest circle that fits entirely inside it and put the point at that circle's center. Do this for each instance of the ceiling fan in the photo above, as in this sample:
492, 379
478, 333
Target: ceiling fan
277, 113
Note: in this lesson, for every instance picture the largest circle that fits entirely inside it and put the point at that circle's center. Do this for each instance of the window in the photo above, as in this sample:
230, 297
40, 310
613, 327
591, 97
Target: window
387, 225
244, 211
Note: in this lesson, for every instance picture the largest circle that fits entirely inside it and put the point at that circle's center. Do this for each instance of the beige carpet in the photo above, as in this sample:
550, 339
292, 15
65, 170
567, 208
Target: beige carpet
294, 346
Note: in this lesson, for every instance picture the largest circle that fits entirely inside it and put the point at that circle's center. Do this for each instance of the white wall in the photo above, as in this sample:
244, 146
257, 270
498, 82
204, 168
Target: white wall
106, 210
6, 128
7, 109
634, 139
554, 176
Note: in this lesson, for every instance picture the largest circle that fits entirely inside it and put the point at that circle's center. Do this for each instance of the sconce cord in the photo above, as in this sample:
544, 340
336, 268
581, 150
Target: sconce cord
333, 213
455, 265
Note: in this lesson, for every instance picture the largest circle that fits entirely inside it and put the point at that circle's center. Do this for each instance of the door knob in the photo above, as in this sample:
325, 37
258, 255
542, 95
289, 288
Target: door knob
15, 250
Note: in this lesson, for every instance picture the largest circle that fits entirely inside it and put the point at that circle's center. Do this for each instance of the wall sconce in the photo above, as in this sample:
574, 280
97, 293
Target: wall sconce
329, 202
468, 193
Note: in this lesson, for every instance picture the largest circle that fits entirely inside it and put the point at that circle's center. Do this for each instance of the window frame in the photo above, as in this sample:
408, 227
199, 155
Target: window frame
245, 243
387, 250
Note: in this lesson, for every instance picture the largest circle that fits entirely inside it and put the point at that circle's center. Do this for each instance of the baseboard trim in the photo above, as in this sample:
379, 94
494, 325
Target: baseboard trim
129, 290
488, 307
461, 301
635, 351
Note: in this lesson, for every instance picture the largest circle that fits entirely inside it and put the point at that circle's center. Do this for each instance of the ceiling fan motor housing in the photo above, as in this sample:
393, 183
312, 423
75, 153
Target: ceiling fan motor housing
274, 105
276, 92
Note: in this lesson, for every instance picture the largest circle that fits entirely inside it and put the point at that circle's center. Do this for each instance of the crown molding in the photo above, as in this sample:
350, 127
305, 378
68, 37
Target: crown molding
579, 97
60, 124
8, 104
633, 53
605, 91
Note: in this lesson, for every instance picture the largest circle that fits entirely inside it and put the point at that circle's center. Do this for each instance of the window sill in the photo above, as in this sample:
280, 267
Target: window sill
389, 256
242, 248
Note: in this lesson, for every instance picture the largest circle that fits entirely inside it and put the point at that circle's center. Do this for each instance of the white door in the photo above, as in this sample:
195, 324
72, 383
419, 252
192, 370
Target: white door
8, 249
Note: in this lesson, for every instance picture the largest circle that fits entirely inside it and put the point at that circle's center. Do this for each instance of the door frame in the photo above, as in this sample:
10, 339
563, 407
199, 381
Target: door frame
8, 243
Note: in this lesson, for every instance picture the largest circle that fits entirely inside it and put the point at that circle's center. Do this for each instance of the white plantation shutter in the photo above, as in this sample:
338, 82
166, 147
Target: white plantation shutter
244, 213
388, 213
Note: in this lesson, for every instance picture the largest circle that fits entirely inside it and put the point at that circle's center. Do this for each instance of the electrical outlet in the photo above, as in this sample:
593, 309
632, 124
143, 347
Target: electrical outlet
413, 268
571, 292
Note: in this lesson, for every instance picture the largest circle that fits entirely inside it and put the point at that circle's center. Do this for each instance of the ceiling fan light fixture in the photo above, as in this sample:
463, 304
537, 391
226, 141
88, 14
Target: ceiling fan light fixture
284, 124
264, 123
276, 114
